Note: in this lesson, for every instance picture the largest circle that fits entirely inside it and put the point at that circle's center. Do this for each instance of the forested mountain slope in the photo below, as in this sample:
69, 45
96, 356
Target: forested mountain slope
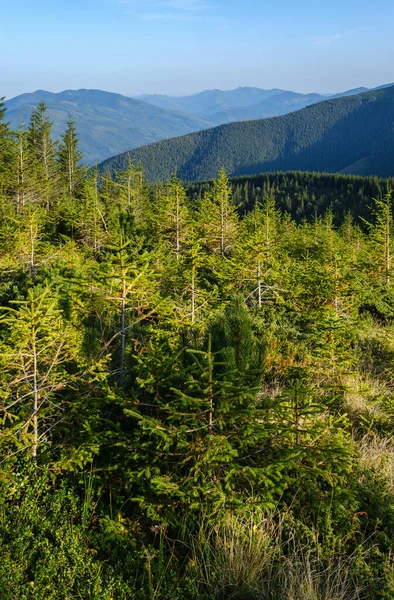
352, 134
274, 106
107, 123
196, 388
304, 195
243, 103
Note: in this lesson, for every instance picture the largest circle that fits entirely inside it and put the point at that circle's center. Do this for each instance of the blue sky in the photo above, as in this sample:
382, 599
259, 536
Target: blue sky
184, 46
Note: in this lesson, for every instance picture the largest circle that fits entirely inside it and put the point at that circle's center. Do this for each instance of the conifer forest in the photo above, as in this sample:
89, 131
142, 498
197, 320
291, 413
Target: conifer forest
196, 381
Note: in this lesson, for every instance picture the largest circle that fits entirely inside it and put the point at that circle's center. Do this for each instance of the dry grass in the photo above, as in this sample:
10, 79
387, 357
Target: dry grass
364, 399
251, 558
235, 558
305, 576
377, 453
362, 396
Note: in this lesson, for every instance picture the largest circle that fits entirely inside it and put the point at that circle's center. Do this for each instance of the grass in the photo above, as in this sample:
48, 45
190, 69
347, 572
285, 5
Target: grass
257, 557
377, 453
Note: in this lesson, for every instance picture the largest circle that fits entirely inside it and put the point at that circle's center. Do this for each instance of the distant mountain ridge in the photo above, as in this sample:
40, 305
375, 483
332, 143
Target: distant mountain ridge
107, 123
273, 106
210, 102
243, 103
350, 134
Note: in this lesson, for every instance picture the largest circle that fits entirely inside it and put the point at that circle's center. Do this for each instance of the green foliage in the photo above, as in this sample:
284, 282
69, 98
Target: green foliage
46, 549
69, 157
305, 195
353, 134
34, 366
171, 356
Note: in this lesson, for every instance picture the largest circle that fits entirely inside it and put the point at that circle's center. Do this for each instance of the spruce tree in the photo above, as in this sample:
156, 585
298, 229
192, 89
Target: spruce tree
382, 233
23, 173
257, 253
133, 193
34, 364
172, 216
7, 154
127, 287
69, 157
91, 224
43, 153
218, 218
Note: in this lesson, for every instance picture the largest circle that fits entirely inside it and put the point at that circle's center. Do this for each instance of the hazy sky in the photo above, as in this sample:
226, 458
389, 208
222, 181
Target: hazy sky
184, 46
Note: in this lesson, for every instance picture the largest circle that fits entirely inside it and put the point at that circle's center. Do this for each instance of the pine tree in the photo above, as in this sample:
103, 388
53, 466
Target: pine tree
23, 189
34, 365
194, 277
69, 156
91, 223
43, 153
126, 283
321, 444
382, 231
258, 253
134, 195
7, 154
28, 237
218, 216
200, 434
172, 216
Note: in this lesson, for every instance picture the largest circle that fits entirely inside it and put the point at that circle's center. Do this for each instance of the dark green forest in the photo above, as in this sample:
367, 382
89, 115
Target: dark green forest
304, 195
353, 134
196, 389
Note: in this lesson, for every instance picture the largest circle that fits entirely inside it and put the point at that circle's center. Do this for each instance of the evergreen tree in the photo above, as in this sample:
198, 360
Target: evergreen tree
7, 154
172, 216
127, 286
23, 187
34, 365
258, 252
69, 156
197, 420
91, 223
43, 153
382, 231
134, 194
218, 217
194, 277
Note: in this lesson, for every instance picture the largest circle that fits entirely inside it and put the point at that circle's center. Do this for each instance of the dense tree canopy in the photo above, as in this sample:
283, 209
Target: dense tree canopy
351, 134
193, 381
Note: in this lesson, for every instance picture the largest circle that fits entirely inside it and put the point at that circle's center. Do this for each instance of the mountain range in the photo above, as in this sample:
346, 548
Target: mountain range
348, 134
242, 104
109, 124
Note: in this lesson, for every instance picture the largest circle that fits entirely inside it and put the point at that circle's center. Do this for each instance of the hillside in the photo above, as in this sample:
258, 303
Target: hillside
107, 123
352, 134
274, 106
195, 381
209, 102
243, 103
304, 195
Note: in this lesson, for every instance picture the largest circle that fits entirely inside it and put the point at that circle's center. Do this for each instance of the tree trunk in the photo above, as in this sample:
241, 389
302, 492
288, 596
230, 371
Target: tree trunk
210, 380
123, 328
35, 399
259, 284
193, 290
387, 247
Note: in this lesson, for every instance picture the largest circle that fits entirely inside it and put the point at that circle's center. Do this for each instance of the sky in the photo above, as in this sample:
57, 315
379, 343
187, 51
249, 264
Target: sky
179, 47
